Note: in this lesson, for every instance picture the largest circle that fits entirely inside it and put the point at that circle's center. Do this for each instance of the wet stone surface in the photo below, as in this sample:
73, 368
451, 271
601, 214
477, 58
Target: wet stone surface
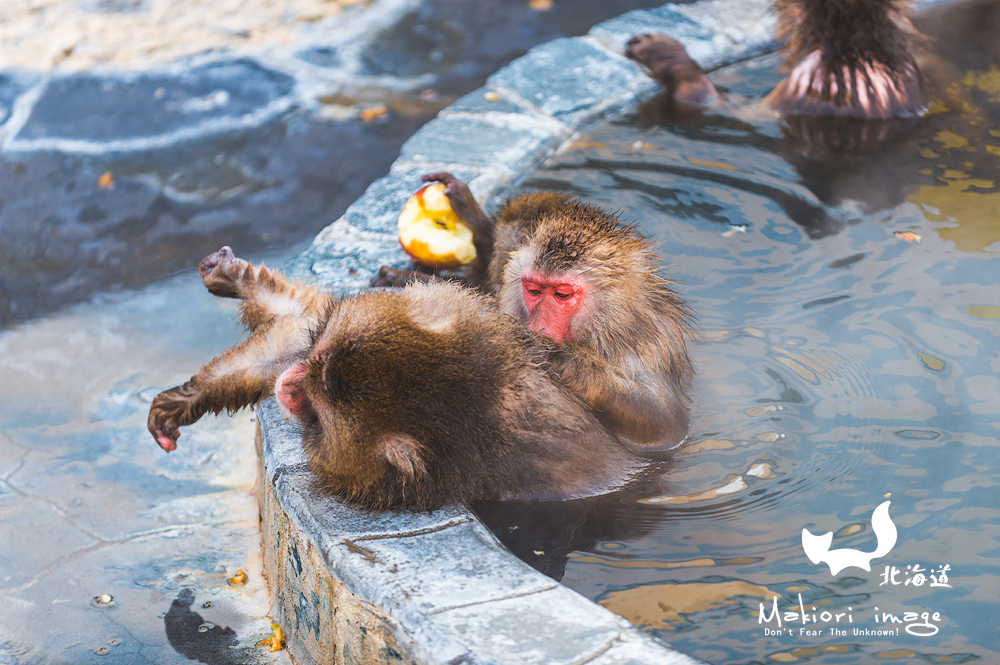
459, 140
90, 507
153, 110
65, 235
568, 78
12, 86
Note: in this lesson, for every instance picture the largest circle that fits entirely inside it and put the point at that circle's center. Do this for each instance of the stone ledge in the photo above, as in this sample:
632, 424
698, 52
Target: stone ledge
353, 587
438, 587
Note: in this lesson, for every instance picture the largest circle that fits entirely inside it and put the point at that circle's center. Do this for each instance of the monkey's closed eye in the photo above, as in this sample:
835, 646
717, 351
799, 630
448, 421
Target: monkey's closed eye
535, 292
563, 296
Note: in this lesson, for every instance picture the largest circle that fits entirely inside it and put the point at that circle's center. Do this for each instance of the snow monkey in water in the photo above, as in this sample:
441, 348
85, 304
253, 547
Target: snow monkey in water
846, 58
575, 274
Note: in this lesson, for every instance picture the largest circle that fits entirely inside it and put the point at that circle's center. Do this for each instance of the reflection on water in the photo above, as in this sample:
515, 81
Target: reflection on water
847, 352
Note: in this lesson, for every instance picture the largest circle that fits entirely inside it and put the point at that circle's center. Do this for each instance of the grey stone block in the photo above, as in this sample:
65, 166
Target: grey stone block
347, 260
282, 439
458, 566
572, 80
552, 627
735, 30
504, 141
616, 33
488, 100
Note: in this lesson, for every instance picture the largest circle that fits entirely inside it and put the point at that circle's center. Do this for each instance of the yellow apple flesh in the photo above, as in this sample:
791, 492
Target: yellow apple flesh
431, 233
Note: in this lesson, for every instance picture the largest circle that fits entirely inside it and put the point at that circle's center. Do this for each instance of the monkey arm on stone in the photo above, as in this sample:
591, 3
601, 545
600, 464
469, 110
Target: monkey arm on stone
279, 316
847, 58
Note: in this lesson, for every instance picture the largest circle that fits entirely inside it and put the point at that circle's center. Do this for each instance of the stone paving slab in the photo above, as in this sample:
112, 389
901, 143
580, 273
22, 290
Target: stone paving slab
459, 565
573, 81
481, 141
154, 108
89, 505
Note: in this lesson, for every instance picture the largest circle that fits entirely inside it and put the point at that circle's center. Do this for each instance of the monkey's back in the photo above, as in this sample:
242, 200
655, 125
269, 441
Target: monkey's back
435, 397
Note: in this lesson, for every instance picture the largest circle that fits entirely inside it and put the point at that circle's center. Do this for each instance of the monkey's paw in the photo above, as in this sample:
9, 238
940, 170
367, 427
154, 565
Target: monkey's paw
221, 273
669, 63
648, 49
166, 414
458, 193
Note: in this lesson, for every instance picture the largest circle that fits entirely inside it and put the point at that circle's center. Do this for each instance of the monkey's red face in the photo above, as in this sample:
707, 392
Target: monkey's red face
552, 302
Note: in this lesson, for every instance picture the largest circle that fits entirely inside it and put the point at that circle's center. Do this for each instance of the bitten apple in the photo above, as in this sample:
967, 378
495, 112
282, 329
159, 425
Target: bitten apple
431, 232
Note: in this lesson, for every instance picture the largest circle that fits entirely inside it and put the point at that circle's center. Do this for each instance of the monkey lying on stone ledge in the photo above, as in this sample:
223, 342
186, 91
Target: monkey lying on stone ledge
410, 399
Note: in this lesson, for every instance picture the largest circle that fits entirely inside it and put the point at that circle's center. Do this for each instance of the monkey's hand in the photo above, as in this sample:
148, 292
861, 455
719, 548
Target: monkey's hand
465, 206
669, 63
169, 411
462, 201
222, 272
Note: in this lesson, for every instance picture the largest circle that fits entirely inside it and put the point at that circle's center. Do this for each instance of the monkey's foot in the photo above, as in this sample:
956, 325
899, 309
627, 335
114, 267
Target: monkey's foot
398, 278
669, 63
221, 273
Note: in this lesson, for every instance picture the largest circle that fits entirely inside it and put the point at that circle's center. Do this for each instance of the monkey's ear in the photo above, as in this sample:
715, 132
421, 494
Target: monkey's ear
403, 452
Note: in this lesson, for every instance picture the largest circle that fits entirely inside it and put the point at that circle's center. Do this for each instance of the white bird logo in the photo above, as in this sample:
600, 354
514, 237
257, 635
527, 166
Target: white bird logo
818, 547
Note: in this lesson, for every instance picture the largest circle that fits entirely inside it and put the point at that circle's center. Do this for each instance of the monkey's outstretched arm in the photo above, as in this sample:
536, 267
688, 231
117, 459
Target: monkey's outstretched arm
669, 63
239, 377
278, 313
645, 409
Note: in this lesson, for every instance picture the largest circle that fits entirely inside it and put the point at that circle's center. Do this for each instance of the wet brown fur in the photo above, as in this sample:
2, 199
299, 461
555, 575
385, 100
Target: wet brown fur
851, 37
627, 360
847, 58
415, 399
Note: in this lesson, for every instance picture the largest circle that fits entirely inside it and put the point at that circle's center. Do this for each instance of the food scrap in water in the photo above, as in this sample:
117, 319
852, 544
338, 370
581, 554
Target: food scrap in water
277, 639
374, 112
908, 236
